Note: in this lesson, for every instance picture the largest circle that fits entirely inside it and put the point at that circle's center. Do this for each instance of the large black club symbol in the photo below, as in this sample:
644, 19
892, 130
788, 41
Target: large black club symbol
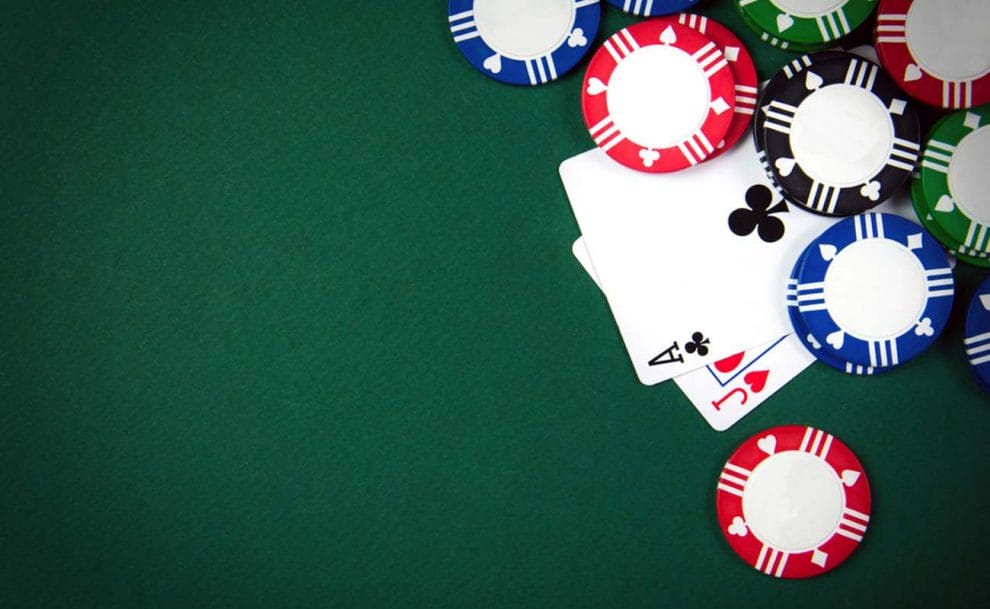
758, 215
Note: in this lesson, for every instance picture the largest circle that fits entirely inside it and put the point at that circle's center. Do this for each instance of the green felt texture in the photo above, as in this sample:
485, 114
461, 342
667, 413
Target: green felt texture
289, 318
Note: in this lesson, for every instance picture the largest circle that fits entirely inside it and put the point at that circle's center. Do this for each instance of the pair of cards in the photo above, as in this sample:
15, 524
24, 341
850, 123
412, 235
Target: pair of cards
727, 390
694, 266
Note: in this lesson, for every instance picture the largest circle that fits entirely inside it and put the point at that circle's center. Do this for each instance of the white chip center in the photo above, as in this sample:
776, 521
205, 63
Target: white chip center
842, 135
658, 96
875, 289
524, 29
808, 8
969, 181
793, 501
949, 37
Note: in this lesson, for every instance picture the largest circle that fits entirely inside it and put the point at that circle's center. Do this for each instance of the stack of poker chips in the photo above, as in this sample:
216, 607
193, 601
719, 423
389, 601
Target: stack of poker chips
835, 134
667, 94
951, 190
870, 293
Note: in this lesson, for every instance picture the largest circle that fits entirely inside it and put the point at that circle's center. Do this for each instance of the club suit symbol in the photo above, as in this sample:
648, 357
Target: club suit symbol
758, 215
697, 344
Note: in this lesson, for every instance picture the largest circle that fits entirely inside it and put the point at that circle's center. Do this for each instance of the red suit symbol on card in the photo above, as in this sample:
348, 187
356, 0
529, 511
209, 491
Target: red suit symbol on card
730, 363
756, 380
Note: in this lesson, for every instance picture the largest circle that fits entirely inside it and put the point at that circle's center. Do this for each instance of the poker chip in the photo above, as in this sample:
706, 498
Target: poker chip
803, 22
743, 72
521, 42
815, 348
937, 50
658, 96
793, 502
812, 344
770, 90
841, 139
875, 290
779, 43
923, 211
653, 8
791, 47
977, 339
954, 178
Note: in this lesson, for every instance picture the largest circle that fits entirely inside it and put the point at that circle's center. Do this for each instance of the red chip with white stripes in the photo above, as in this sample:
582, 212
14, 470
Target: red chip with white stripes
658, 96
793, 502
743, 72
937, 50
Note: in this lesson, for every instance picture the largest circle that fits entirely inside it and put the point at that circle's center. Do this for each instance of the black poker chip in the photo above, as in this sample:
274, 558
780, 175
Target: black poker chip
840, 136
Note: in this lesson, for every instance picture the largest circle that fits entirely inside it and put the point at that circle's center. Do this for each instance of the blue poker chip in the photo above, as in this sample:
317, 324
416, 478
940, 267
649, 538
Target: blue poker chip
977, 340
985, 387
653, 8
875, 290
809, 341
521, 42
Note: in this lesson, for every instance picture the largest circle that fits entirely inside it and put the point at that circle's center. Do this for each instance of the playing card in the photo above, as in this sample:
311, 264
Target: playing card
727, 390
581, 253
694, 263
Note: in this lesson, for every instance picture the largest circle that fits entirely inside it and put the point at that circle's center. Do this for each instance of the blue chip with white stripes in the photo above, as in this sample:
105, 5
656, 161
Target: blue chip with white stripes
811, 343
523, 42
653, 8
977, 340
875, 290
841, 137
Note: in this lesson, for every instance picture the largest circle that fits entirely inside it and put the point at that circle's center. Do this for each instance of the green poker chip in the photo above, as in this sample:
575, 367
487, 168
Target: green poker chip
954, 178
783, 45
923, 211
791, 21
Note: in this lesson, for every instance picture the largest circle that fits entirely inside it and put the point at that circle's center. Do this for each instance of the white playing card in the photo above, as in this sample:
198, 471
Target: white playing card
727, 390
684, 288
581, 253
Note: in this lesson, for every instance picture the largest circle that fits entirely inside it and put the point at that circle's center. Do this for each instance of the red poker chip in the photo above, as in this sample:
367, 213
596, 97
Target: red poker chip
658, 96
793, 502
743, 72
938, 54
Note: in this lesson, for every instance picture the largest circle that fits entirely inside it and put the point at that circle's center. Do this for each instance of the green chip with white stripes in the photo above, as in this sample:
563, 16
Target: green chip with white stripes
807, 21
955, 179
774, 41
924, 213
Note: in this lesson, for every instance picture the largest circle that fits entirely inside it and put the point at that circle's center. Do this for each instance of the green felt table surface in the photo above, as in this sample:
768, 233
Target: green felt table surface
289, 318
